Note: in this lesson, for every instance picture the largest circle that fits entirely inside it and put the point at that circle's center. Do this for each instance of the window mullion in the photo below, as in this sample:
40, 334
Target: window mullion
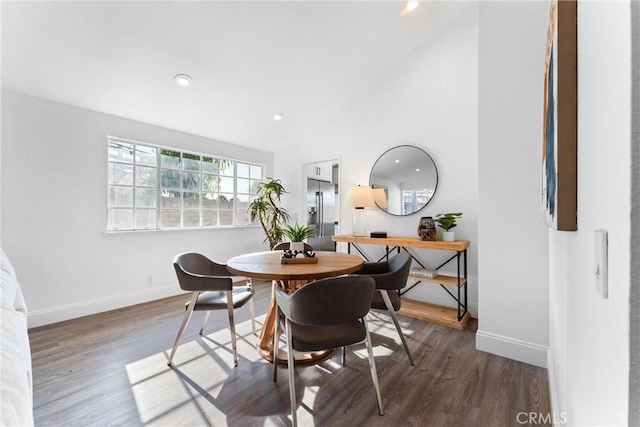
158, 186
135, 178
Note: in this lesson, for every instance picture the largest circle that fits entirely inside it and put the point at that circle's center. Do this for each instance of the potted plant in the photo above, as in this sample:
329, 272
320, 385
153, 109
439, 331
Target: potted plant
264, 208
297, 233
447, 221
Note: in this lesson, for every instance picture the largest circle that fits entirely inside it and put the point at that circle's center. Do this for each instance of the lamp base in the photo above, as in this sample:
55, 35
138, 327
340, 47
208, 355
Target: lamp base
359, 222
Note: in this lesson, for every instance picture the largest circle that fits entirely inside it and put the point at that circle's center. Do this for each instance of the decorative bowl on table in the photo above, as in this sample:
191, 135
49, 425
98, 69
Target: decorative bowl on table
298, 257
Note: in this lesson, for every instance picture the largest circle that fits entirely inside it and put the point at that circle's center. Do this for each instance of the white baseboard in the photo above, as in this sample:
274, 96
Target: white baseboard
522, 351
71, 311
553, 385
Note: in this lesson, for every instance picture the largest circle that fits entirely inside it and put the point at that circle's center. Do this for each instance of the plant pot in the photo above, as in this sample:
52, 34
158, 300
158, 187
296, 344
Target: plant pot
297, 246
448, 236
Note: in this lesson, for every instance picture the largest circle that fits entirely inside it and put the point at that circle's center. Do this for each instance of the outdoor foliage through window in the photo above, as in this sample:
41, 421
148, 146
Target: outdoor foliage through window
153, 187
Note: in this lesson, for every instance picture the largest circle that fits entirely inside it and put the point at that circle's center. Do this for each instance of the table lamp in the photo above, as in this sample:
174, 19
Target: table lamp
360, 198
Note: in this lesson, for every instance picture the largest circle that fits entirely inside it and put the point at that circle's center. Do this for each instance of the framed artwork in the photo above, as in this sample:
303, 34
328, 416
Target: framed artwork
560, 118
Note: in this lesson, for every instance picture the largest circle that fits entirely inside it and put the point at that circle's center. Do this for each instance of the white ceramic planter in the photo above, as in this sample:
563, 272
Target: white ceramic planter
296, 246
448, 236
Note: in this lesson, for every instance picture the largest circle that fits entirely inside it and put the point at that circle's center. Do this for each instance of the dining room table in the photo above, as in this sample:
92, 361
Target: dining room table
289, 276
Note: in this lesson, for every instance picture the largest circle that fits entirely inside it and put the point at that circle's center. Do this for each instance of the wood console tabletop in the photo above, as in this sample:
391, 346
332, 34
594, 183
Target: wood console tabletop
405, 241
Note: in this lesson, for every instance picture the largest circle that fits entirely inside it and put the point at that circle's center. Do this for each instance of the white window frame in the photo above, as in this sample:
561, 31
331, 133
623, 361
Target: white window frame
235, 222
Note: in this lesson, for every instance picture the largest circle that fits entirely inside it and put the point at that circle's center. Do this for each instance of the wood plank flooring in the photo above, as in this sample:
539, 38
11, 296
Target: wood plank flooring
110, 369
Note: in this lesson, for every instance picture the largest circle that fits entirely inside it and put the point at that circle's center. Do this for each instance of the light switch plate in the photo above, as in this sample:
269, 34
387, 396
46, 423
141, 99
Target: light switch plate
601, 267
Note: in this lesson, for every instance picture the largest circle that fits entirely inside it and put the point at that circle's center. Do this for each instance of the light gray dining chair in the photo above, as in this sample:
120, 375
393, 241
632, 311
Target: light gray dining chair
212, 287
325, 314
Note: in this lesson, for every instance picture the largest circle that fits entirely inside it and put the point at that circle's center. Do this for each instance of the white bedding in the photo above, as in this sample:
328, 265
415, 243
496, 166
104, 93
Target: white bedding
16, 392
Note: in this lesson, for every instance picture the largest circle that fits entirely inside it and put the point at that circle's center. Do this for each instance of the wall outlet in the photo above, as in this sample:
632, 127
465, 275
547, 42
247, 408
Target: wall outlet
601, 265
149, 279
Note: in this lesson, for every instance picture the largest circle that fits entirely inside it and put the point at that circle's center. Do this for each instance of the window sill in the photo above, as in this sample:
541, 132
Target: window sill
173, 230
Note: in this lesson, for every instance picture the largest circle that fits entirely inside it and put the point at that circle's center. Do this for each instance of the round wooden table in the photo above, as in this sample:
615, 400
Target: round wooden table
267, 265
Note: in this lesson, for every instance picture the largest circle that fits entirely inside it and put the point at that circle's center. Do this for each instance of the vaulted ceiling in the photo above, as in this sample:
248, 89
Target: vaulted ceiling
248, 60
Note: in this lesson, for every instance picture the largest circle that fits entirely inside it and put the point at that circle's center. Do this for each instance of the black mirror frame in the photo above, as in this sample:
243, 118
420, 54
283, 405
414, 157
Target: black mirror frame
435, 188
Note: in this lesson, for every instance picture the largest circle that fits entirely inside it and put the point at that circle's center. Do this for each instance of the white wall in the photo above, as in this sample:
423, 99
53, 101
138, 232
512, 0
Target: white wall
54, 193
428, 100
513, 265
589, 343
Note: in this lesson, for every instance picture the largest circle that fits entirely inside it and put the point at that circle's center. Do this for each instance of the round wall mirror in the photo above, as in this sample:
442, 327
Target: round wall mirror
406, 177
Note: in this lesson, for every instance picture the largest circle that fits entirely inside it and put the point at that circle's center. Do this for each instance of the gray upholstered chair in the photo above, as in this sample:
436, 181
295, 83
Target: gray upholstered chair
283, 246
212, 287
390, 277
328, 313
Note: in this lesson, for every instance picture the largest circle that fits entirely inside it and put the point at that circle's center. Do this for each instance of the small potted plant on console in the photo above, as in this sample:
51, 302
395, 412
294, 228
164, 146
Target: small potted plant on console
447, 221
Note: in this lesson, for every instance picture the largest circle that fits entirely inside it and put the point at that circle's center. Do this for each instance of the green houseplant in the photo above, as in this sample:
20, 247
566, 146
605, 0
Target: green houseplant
297, 233
447, 221
266, 210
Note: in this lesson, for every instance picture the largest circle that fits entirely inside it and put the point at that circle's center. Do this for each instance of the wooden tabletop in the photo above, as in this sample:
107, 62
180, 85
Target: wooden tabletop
405, 241
266, 265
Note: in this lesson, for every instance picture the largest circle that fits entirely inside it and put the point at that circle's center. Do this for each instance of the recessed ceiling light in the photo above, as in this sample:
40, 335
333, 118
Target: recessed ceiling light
397, 161
183, 80
409, 7
418, 170
278, 116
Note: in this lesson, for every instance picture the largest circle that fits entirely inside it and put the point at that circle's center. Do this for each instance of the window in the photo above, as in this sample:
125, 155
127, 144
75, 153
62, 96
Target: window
153, 187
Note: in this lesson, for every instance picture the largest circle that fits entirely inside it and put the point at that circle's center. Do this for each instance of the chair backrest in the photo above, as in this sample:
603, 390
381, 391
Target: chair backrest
328, 301
396, 277
283, 246
196, 272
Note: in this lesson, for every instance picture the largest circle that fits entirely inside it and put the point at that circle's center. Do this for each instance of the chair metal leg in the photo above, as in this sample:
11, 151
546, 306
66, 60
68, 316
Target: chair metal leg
344, 356
392, 312
253, 316
185, 321
372, 365
292, 380
204, 323
232, 326
249, 283
275, 344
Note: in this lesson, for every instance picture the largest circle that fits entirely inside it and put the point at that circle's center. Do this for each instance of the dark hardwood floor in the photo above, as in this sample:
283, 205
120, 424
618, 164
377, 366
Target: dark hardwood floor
110, 369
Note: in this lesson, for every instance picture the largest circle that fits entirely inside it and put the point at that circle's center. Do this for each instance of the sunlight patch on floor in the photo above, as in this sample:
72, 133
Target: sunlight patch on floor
193, 391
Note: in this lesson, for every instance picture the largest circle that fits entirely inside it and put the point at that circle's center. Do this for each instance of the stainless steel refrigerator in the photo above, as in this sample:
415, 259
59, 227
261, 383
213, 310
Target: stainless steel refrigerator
321, 214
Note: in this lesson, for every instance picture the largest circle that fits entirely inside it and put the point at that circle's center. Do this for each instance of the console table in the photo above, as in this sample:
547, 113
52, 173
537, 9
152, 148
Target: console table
452, 317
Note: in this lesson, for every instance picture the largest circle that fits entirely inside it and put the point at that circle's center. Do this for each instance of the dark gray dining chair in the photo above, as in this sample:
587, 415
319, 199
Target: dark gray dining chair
212, 287
283, 246
325, 314
390, 277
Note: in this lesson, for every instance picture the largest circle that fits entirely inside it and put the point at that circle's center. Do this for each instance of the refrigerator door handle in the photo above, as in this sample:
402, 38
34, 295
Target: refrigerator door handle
318, 213
321, 214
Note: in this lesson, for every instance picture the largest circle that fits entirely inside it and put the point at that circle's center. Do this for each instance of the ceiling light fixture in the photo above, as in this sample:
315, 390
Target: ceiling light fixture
278, 116
182, 80
409, 7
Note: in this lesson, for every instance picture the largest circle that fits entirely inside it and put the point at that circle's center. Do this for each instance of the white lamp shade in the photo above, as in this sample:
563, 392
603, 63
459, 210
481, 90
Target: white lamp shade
360, 197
